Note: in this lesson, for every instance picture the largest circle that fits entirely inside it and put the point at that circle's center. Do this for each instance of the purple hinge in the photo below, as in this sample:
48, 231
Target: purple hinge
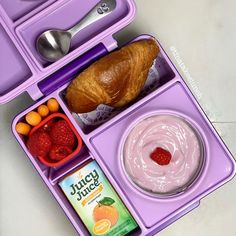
67, 73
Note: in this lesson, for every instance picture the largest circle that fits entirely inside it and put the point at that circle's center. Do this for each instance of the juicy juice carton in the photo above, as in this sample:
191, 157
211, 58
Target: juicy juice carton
96, 202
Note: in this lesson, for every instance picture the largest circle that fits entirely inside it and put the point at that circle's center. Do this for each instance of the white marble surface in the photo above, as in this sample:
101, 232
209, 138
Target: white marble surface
203, 33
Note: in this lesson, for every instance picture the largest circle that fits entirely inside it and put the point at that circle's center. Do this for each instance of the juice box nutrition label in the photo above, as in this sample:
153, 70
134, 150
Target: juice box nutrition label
96, 202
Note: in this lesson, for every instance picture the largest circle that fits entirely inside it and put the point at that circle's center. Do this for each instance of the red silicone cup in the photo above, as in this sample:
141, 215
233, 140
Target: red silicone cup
46, 160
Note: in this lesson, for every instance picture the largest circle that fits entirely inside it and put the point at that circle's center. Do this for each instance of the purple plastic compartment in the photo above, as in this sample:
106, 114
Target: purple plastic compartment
218, 169
67, 13
173, 95
20, 10
51, 176
165, 71
14, 70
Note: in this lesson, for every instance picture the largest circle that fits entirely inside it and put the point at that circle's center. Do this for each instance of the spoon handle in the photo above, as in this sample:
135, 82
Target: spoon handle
102, 9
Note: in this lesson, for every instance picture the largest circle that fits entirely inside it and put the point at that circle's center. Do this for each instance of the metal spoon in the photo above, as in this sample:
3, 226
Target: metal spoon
52, 45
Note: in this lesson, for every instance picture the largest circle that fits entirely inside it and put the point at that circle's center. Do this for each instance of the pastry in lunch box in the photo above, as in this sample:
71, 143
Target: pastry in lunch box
115, 80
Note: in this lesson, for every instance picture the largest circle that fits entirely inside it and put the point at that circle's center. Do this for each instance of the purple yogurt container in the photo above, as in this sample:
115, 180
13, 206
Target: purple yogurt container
20, 24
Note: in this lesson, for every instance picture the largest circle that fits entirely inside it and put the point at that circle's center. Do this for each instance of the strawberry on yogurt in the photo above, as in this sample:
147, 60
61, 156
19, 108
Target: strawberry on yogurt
165, 138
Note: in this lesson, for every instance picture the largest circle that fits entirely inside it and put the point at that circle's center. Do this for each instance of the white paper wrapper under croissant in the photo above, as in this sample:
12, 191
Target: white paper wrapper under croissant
104, 112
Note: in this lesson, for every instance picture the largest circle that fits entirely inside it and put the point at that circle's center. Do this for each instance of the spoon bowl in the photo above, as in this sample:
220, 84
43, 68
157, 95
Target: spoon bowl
52, 45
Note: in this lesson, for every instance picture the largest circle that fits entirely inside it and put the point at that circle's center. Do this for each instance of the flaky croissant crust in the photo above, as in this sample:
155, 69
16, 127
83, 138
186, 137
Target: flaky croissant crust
114, 80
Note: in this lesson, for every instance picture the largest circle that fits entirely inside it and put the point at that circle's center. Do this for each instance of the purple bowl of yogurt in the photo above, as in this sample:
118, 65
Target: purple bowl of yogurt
173, 132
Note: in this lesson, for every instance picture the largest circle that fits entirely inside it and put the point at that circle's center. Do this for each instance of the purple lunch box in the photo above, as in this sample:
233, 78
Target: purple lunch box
22, 70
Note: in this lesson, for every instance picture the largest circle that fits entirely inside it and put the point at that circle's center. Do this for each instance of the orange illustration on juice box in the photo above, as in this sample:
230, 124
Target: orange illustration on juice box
96, 202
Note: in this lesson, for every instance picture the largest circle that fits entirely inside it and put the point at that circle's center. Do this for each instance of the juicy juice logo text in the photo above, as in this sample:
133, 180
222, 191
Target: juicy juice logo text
85, 185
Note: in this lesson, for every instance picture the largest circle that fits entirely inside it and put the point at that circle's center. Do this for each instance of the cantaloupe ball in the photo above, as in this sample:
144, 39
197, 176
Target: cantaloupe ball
33, 118
53, 105
43, 110
23, 128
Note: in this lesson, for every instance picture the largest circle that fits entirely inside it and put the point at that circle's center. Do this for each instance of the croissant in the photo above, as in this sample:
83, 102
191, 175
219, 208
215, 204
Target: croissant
115, 80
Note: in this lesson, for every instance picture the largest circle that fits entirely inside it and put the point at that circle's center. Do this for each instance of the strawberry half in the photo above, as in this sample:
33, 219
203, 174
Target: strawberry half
62, 134
57, 153
161, 156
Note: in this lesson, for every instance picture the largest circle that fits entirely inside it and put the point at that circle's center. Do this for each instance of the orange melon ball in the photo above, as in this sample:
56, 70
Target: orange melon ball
53, 105
23, 128
33, 118
43, 110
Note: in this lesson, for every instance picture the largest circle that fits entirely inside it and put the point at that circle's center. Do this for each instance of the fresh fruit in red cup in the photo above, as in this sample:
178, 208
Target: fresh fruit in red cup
62, 134
75, 143
58, 152
39, 143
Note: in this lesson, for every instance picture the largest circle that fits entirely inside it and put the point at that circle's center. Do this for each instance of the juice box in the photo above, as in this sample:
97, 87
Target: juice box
96, 202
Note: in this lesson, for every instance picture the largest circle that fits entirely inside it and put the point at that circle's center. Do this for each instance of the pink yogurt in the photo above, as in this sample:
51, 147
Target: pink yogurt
171, 133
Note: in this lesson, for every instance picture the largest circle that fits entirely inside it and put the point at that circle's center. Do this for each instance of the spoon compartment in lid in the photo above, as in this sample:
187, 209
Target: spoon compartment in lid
54, 44
64, 15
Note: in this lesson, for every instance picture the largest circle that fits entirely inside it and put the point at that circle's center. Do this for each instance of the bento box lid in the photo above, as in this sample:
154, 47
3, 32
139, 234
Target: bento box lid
19, 71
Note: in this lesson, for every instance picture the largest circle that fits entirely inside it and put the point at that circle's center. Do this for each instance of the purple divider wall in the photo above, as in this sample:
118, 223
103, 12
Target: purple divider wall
67, 73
